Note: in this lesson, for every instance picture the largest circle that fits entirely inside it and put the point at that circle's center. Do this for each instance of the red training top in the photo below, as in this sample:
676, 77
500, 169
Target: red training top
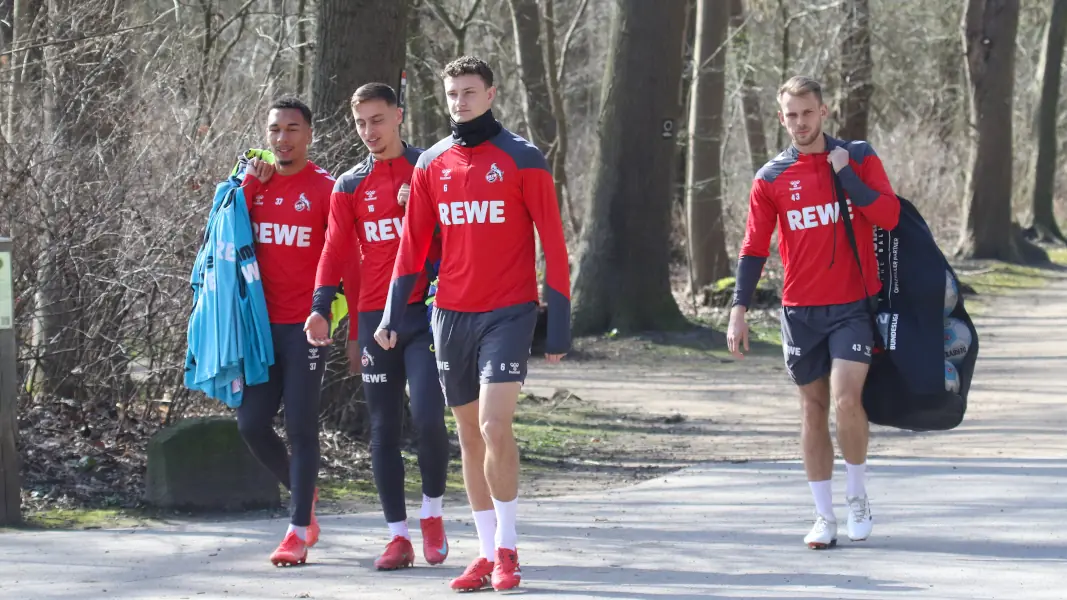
289, 216
486, 199
796, 192
367, 221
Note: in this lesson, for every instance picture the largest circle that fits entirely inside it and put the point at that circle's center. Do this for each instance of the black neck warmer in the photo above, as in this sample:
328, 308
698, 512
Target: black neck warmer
476, 130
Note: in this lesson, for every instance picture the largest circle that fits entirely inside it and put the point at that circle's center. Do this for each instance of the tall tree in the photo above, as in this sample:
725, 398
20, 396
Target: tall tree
84, 95
856, 68
536, 103
556, 72
1043, 224
750, 92
708, 259
359, 41
623, 275
989, 29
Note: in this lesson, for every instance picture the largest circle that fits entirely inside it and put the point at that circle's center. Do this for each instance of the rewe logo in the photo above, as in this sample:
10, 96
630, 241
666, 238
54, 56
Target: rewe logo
814, 216
282, 235
472, 211
375, 378
383, 229
494, 174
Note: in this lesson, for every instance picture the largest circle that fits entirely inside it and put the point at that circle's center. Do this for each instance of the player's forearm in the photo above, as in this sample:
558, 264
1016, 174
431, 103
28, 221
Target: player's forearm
557, 297
749, 270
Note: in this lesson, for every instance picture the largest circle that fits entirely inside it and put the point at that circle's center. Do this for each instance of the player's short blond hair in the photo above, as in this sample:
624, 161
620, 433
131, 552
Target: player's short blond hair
801, 85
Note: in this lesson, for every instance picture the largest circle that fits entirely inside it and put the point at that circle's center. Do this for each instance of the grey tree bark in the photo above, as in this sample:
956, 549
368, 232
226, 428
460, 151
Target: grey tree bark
989, 31
359, 41
708, 258
1043, 225
623, 275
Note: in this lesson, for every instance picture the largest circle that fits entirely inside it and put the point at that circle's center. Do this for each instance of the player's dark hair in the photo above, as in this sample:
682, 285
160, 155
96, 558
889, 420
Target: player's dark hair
292, 102
374, 91
469, 65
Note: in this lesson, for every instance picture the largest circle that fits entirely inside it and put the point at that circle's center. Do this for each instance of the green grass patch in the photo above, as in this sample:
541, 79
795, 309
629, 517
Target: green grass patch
1058, 255
1001, 277
84, 518
363, 489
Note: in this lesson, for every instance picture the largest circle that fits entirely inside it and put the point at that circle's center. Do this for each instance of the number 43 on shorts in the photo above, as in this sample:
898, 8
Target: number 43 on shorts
866, 350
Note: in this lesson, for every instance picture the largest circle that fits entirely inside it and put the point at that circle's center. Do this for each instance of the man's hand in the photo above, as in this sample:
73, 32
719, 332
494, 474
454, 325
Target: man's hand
838, 159
262, 169
737, 332
354, 357
403, 195
385, 338
317, 329
554, 358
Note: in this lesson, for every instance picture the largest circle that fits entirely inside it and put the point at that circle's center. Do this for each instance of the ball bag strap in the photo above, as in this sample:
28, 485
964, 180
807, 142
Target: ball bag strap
872, 302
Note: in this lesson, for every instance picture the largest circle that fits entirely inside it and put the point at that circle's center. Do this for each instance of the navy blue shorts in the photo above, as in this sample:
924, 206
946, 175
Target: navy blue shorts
474, 349
812, 336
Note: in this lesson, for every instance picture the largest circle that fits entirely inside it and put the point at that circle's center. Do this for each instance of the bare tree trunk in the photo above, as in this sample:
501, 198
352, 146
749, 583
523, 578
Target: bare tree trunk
750, 91
359, 41
301, 43
426, 116
20, 38
555, 73
1043, 225
786, 57
708, 259
536, 104
988, 232
623, 276
856, 84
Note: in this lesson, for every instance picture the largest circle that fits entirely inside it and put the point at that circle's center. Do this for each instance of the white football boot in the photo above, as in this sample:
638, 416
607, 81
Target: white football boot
860, 521
823, 534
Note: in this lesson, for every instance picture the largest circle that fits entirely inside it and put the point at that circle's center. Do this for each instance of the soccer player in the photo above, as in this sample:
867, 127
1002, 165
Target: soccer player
366, 219
827, 331
289, 204
486, 188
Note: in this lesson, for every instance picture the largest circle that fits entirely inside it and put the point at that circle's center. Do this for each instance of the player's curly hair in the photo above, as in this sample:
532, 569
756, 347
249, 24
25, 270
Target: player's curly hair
469, 65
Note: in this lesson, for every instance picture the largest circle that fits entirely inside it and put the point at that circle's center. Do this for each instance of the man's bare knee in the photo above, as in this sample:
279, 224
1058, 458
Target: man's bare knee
815, 397
848, 378
496, 432
467, 426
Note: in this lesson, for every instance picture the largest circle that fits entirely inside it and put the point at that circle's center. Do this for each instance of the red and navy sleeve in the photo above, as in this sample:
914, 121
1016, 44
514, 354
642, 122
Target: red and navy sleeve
762, 219
340, 253
869, 189
420, 218
539, 193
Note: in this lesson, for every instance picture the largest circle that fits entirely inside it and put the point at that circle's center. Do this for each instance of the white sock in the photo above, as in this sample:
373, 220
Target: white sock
824, 498
485, 523
854, 486
506, 512
399, 528
301, 532
432, 507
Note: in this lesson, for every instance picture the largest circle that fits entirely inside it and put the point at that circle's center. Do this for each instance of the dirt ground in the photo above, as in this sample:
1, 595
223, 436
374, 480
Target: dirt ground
621, 410
667, 401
